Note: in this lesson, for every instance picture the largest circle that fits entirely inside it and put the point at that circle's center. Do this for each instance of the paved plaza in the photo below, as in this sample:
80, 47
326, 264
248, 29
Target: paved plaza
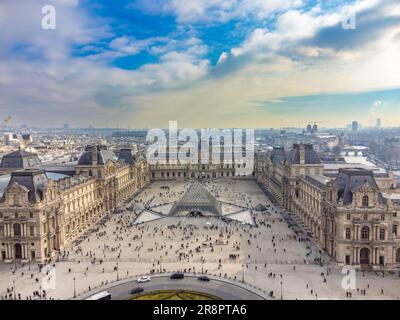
268, 256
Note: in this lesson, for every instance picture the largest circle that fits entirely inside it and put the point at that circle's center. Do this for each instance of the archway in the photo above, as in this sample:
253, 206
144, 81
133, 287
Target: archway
364, 256
196, 213
18, 251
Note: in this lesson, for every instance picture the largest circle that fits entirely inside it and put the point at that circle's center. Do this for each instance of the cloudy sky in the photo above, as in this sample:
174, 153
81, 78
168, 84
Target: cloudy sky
204, 63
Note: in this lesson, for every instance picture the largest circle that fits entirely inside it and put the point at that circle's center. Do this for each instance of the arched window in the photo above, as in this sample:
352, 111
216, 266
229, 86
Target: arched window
365, 233
365, 201
17, 229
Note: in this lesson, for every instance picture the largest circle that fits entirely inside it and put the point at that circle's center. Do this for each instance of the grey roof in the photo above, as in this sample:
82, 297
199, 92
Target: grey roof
197, 198
311, 157
126, 155
20, 159
34, 180
278, 155
103, 155
348, 180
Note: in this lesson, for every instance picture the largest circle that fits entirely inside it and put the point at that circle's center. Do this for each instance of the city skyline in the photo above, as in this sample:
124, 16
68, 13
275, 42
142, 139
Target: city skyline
204, 63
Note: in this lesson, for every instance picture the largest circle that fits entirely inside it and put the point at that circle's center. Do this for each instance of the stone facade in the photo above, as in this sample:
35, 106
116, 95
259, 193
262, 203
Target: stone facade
39, 216
347, 215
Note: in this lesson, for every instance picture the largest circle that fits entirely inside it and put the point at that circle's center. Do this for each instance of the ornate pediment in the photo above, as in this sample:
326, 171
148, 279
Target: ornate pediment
16, 195
110, 167
364, 188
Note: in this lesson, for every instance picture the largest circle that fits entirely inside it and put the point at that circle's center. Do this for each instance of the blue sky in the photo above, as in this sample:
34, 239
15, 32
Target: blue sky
205, 63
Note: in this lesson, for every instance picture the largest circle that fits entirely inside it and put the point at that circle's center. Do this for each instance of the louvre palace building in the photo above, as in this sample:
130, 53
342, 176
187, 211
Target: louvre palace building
348, 211
42, 211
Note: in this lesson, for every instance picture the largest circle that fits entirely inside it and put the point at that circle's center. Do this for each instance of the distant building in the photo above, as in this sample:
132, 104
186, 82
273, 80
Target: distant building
66, 126
354, 126
7, 139
378, 123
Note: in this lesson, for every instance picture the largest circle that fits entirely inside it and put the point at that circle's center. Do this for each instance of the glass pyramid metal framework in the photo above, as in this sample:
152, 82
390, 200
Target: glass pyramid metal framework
197, 201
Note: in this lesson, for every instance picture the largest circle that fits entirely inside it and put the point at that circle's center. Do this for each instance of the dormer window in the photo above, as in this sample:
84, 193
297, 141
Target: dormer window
365, 201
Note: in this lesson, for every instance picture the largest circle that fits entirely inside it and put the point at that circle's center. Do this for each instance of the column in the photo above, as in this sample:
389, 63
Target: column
357, 257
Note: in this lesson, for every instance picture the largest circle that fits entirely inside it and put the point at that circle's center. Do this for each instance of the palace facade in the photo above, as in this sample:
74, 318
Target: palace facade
348, 215
40, 216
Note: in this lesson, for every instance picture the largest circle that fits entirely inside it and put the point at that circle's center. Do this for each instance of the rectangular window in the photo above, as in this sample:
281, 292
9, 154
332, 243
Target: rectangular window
394, 229
1, 231
382, 234
348, 233
348, 216
32, 231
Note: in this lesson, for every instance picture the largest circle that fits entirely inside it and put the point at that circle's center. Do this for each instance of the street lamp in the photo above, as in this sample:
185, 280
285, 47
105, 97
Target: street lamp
74, 287
117, 272
281, 290
15, 295
161, 264
243, 272
202, 265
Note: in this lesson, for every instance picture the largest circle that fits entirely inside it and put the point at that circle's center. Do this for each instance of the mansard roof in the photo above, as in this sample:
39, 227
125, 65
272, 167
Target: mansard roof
103, 155
126, 155
278, 155
310, 155
349, 180
33, 180
20, 159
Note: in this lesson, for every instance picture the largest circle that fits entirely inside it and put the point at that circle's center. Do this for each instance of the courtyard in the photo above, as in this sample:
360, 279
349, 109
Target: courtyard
267, 255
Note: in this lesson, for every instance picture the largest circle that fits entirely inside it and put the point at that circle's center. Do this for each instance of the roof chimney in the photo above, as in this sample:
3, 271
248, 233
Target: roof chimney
302, 154
94, 156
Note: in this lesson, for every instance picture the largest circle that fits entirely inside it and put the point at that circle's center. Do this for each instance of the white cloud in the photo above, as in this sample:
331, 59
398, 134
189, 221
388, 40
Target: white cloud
200, 11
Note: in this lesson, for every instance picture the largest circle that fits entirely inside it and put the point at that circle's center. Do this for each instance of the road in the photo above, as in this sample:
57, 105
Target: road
220, 288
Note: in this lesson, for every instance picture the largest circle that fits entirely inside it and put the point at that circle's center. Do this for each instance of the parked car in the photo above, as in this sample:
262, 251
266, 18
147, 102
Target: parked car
177, 275
204, 278
137, 290
144, 279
